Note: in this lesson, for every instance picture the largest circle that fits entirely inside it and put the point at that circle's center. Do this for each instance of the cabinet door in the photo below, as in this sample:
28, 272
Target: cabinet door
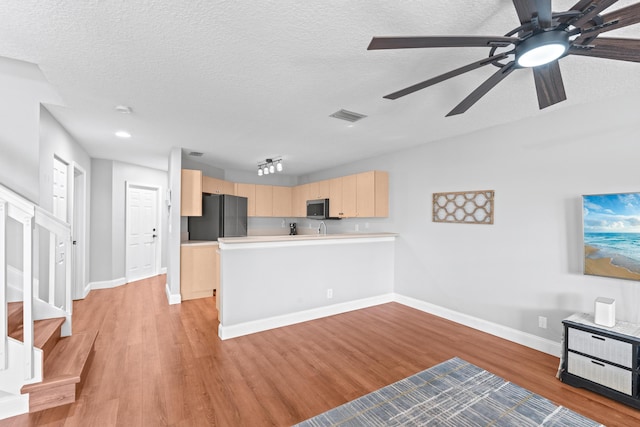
335, 197
282, 201
228, 187
191, 193
298, 203
323, 189
217, 186
264, 200
318, 190
197, 271
349, 193
313, 191
372, 194
248, 191
210, 185
365, 194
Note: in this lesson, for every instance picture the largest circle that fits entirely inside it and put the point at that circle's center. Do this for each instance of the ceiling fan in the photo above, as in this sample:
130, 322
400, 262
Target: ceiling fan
538, 43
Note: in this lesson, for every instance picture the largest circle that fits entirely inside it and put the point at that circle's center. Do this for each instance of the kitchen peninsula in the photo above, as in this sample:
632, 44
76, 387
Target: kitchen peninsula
272, 281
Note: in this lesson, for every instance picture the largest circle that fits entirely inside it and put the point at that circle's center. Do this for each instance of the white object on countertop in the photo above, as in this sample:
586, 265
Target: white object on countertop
605, 312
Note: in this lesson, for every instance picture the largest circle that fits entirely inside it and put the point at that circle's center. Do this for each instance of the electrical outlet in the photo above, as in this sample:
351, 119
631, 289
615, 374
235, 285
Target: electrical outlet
542, 322
329, 293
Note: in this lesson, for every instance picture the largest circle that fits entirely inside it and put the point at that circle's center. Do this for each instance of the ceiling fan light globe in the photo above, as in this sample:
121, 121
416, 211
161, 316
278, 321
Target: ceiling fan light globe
541, 55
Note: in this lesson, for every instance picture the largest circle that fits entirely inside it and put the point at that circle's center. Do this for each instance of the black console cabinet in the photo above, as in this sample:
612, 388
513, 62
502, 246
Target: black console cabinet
601, 359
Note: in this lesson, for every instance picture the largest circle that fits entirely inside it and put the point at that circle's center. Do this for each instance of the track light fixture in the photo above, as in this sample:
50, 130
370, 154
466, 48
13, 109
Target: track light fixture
269, 166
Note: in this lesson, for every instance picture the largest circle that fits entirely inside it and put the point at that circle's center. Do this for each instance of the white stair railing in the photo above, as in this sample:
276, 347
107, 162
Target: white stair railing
28, 215
4, 341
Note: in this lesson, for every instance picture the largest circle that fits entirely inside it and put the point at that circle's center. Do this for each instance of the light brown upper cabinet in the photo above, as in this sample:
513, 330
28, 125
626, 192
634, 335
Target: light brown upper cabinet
248, 191
364, 195
299, 201
282, 201
335, 198
349, 196
372, 194
264, 200
318, 190
191, 193
217, 186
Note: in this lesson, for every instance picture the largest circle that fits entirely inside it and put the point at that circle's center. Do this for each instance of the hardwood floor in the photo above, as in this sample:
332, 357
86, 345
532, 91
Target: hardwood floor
158, 365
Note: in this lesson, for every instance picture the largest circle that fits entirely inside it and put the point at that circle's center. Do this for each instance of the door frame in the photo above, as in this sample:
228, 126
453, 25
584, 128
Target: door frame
78, 221
127, 220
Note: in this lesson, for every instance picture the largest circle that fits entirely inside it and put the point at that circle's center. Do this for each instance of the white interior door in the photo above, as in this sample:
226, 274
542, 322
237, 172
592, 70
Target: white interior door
142, 232
78, 222
56, 245
60, 189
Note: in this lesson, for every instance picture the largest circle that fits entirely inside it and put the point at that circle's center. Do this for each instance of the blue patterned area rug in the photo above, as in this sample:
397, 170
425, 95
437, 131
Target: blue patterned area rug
454, 393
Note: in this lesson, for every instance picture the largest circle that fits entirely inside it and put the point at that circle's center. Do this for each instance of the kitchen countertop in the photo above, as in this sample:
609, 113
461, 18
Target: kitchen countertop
199, 243
302, 237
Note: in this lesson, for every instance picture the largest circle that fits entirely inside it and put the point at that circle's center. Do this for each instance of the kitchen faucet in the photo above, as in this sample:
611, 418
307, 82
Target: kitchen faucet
320, 227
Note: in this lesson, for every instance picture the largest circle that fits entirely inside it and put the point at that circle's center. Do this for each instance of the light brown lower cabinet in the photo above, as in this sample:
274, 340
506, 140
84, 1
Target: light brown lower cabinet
199, 271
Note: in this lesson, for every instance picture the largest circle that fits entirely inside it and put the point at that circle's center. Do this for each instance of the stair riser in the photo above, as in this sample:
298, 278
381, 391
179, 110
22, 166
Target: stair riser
52, 397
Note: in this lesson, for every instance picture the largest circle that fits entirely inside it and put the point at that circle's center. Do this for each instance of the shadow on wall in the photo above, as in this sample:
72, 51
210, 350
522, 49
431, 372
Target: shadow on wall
575, 245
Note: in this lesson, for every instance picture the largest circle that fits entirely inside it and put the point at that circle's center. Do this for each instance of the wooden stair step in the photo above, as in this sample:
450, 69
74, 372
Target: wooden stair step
46, 332
63, 372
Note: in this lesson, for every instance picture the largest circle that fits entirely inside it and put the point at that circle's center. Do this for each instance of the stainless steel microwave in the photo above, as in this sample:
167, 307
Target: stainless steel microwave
318, 209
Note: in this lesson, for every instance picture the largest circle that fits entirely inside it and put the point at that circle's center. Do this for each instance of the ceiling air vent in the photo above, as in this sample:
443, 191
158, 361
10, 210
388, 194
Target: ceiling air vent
196, 154
349, 116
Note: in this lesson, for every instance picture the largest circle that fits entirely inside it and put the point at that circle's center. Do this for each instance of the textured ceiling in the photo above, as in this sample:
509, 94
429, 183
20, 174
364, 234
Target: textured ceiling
243, 80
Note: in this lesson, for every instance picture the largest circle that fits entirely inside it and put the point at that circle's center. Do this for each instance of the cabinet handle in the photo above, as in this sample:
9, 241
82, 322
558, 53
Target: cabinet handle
598, 338
597, 363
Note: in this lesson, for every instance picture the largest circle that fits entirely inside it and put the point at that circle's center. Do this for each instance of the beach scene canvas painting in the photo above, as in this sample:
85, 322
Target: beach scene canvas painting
612, 235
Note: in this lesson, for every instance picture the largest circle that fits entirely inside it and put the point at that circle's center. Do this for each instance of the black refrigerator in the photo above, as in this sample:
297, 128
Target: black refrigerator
222, 216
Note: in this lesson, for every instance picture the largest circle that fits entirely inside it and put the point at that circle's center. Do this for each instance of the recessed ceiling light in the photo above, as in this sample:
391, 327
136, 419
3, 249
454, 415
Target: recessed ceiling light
124, 109
123, 134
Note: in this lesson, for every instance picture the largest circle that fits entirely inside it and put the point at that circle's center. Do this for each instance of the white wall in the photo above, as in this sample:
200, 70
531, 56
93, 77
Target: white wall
108, 213
174, 227
56, 141
529, 263
101, 220
23, 87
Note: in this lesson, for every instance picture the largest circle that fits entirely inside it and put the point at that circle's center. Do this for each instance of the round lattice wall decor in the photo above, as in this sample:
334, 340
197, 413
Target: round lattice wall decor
469, 207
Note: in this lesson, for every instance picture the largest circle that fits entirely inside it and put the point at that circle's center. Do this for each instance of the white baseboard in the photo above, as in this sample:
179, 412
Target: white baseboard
107, 284
86, 290
246, 328
172, 298
163, 270
541, 344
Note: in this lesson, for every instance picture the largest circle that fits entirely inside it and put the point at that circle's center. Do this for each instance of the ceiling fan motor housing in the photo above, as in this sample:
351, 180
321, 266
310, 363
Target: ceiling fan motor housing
542, 48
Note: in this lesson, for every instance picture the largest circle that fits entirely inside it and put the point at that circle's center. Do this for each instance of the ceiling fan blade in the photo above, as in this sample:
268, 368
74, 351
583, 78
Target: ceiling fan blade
526, 9
622, 17
610, 48
481, 90
581, 5
549, 84
598, 6
416, 87
439, 41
